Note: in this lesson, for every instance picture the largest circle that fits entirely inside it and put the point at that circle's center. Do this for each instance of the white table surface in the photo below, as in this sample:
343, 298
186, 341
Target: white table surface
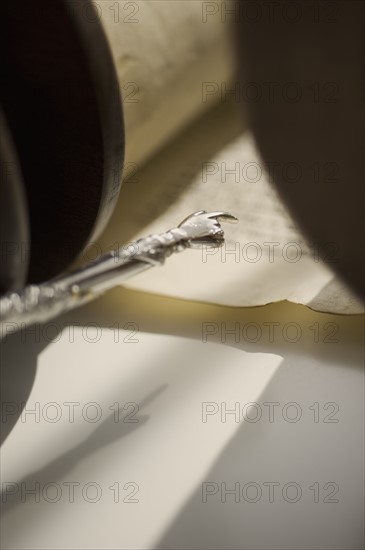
164, 459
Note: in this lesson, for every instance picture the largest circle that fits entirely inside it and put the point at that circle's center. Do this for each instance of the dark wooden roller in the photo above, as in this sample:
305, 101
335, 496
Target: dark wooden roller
319, 48
60, 96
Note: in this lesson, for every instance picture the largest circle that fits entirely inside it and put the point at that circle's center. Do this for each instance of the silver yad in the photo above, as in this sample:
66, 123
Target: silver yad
40, 303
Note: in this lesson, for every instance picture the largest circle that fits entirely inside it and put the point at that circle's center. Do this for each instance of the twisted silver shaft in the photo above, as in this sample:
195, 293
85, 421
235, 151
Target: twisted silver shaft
40, 303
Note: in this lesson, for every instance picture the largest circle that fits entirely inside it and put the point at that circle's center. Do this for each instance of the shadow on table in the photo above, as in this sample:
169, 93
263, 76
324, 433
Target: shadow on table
107, 433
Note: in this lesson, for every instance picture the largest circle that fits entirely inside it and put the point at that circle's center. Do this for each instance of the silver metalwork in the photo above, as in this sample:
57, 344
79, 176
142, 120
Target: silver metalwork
40, 303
